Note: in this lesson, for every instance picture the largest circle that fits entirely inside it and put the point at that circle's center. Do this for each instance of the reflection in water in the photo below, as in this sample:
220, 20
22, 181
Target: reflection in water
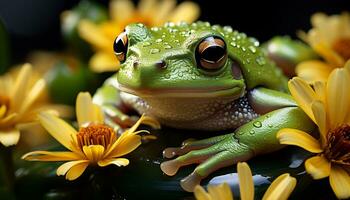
232, 180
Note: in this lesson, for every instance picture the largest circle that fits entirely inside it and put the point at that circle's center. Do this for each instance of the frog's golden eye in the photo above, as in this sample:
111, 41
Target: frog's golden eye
120, 46
211, 53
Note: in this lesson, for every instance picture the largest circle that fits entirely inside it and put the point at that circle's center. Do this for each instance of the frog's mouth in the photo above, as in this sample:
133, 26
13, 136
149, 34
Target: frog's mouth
232, 92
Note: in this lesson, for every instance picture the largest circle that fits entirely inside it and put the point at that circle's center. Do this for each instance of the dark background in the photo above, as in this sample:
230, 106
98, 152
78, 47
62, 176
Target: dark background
35, 24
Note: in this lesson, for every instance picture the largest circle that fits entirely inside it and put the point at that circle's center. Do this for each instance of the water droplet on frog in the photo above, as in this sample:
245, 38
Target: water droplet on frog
180, 74
240, 133
159, 40
154, 51
193, 77
140, 25
243, 49
234, 44
169, 24
257, 124
252, 49
167, 46
270, 125
261, 60
228, 29
256, 43
146, 44
252, 132
155, 29
207, 24
167, 76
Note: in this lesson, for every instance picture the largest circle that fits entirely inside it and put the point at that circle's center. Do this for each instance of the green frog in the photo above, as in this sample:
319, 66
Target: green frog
203, 77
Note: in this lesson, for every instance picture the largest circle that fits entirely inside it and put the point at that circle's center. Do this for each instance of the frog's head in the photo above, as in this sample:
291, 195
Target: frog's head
176, 60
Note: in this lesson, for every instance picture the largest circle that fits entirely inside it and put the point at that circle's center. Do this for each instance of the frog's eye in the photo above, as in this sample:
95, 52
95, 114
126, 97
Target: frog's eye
120, 46
211, 53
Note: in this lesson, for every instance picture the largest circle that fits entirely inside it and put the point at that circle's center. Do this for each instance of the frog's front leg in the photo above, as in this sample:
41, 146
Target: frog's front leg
108, 98
254, 138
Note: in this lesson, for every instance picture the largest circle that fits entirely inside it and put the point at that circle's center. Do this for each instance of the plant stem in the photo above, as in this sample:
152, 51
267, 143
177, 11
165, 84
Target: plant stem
7, 175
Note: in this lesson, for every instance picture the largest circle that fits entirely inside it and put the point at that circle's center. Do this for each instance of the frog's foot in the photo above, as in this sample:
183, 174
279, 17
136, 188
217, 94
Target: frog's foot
211, 154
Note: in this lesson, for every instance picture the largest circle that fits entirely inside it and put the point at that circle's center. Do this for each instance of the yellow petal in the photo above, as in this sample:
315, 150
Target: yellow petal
319, 111
146, 8
51, 156
340, 182
87, 111
163, 10
187, 11
33, 95
76, 171
104, 62
246, 184
94, 152
9, 137
220, 192
131, 132
280, 188
318, 167
313, 70
93, 34
299, 138
338, 97
126, 146
328, 54
19, 90
3, 110
320, 88
201, 194
59, 129
117, 161
121, 10
64, 168
303, 95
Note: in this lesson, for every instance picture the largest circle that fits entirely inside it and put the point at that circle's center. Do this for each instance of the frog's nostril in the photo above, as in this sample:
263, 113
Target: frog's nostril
161, 64
136, 64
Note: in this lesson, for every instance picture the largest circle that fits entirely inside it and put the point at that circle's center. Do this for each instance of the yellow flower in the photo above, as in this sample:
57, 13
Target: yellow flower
328, 105
95, 143
123, 12
20, 99
330, 38
280, 188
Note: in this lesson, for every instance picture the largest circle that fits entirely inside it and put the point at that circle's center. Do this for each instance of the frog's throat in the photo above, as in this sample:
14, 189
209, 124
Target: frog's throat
232, 92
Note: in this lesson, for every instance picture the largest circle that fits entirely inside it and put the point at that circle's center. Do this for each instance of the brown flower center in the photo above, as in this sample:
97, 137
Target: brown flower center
338, 148
342, 47
96, 134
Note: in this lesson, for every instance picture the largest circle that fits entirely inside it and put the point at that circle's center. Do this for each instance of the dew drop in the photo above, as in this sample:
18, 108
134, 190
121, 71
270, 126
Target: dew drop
167, 46
257, 124
270, 125
252, 49
146, 44
261, 60
154, 51
252, 132
159, 40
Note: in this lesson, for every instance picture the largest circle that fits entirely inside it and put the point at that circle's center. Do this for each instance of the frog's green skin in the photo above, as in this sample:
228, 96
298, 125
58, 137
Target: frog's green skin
180, 94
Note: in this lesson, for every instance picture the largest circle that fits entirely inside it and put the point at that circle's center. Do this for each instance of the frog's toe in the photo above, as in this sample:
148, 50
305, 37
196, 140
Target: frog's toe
222, 154
190, 145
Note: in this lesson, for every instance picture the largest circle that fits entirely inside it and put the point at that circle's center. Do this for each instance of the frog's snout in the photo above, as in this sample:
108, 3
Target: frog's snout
161, 64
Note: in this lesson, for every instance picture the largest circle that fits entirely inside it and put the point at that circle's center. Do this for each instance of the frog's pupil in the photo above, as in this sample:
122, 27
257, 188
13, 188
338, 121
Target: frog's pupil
213, 53
119, 46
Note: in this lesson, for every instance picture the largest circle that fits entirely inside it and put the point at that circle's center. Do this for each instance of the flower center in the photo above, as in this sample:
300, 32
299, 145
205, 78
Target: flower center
4, 100
96, 134
342, 47
338, 149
